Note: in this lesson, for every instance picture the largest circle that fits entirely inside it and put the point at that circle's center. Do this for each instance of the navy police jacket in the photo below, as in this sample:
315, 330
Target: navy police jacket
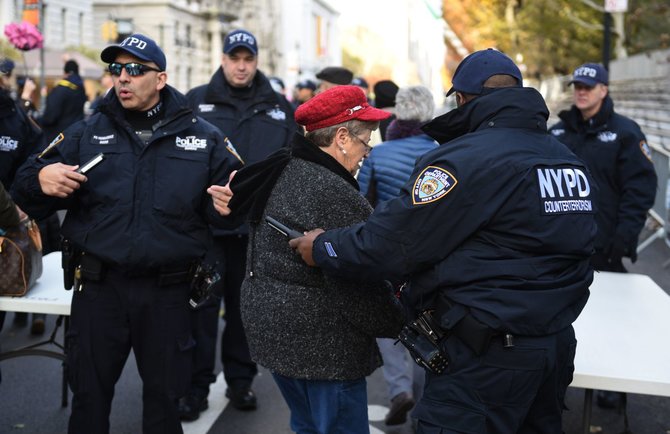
144, 205
499, 219
616, 152
19, 138
256, 120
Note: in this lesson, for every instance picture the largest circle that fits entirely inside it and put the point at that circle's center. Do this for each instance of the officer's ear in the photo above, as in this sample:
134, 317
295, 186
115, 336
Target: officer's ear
460, 99
161, 78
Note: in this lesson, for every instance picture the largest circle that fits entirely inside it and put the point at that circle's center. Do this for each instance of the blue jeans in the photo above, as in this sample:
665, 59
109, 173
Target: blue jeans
326, 406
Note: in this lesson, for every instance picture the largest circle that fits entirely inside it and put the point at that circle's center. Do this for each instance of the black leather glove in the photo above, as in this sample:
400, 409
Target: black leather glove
618, 249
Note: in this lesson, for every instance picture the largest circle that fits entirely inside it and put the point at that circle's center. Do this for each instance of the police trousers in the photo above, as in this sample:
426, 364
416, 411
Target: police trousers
505, 390
108, 319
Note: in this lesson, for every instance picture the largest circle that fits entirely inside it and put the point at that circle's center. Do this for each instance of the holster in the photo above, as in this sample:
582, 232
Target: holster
92, 268
458, 319
69, 261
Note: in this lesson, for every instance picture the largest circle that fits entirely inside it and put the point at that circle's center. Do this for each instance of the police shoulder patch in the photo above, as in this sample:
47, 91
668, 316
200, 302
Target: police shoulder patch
644, 147
59, 138
432, 184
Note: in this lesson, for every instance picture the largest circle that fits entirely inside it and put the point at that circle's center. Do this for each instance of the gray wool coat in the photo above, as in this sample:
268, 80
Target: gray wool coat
299, 322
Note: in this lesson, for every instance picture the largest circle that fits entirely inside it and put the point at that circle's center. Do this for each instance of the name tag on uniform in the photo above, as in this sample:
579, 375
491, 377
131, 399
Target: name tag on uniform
563, 190
103, 139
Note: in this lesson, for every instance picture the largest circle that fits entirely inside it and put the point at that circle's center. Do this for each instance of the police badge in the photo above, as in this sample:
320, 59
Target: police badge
432, 184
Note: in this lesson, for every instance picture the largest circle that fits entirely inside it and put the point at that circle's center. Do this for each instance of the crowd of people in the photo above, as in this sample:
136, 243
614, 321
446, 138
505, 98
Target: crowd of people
450, 232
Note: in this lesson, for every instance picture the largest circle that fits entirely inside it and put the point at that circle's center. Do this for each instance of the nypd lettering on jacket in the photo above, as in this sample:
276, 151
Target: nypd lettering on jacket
8, 144
564, 190
191, 143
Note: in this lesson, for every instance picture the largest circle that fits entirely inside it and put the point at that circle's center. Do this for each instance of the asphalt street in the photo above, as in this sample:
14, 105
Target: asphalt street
30, 392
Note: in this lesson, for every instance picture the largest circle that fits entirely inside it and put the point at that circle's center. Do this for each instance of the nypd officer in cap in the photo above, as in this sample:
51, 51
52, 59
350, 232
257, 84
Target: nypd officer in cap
240, 101
616, 152
494, 232
138, 221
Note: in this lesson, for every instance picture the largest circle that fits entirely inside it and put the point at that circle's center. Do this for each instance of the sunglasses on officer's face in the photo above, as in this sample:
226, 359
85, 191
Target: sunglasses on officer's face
133, 69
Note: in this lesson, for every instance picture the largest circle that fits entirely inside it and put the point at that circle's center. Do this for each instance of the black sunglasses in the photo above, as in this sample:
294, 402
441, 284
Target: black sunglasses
133, 69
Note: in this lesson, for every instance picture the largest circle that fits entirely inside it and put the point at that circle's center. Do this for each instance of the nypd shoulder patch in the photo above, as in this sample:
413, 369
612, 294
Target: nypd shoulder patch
432, 184
59, 138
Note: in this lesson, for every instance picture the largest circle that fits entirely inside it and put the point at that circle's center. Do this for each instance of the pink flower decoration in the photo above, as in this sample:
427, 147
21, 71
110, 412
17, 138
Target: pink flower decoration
24, 36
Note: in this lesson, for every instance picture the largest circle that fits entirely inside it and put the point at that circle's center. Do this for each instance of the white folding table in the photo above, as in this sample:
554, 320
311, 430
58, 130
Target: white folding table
622, 337
49, 297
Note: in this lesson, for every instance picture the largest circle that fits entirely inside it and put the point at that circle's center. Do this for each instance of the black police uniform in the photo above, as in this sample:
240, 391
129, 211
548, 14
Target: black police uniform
616, 152
494, 227
258, 122
143, 217
19, 138
64, 106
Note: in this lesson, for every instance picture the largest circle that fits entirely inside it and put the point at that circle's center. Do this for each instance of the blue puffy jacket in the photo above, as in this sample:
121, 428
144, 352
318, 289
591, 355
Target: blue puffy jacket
389, 166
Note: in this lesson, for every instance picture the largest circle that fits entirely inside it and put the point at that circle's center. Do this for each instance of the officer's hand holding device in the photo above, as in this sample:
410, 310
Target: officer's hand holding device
90, 164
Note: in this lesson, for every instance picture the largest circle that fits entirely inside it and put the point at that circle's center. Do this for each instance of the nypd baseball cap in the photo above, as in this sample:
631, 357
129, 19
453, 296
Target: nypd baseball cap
138, 45
6, 66
478, 67
240, 38
590, 74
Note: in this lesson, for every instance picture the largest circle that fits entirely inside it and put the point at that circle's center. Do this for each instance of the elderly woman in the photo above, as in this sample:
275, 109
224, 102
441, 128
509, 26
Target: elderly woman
315, 333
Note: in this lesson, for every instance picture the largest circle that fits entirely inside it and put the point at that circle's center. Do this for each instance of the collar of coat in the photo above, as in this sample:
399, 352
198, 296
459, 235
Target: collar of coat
253, 184
509, 107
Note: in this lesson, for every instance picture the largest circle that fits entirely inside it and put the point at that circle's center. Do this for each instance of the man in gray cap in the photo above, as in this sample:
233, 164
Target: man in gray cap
332, 76
134, 179
494, 231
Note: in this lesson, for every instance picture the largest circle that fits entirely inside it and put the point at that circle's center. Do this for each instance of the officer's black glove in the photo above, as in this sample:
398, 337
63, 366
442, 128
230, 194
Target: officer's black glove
618, 249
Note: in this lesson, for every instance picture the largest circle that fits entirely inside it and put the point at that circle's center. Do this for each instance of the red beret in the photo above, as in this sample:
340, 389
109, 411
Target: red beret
337, 105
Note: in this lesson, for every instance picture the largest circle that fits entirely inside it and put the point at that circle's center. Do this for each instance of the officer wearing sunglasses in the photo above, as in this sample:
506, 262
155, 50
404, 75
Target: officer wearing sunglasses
137, 223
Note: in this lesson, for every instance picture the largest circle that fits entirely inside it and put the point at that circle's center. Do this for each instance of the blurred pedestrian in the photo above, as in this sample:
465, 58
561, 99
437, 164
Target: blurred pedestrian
240, 101
615, 150
382, 176
494, 232
106, 85
65, 103
304, 91
137, 226
385, 92
332, 76
363, 84
315, 334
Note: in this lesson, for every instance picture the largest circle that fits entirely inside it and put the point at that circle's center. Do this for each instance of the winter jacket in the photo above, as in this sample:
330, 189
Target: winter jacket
299, 322
146, 204
64, 106
616, 152
389, 165
19, 138
499, 219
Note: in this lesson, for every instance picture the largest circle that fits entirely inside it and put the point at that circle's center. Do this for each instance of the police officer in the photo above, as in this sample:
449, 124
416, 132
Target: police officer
19, 138
616, 152
240, 101
494, 231
65, 104
140, 219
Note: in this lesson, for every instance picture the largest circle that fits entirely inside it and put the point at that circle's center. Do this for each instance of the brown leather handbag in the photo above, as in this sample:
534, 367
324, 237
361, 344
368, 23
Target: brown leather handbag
20, 258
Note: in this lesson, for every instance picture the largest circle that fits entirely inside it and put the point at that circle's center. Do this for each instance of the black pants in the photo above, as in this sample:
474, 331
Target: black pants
108, 319
238, 369
506, 390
